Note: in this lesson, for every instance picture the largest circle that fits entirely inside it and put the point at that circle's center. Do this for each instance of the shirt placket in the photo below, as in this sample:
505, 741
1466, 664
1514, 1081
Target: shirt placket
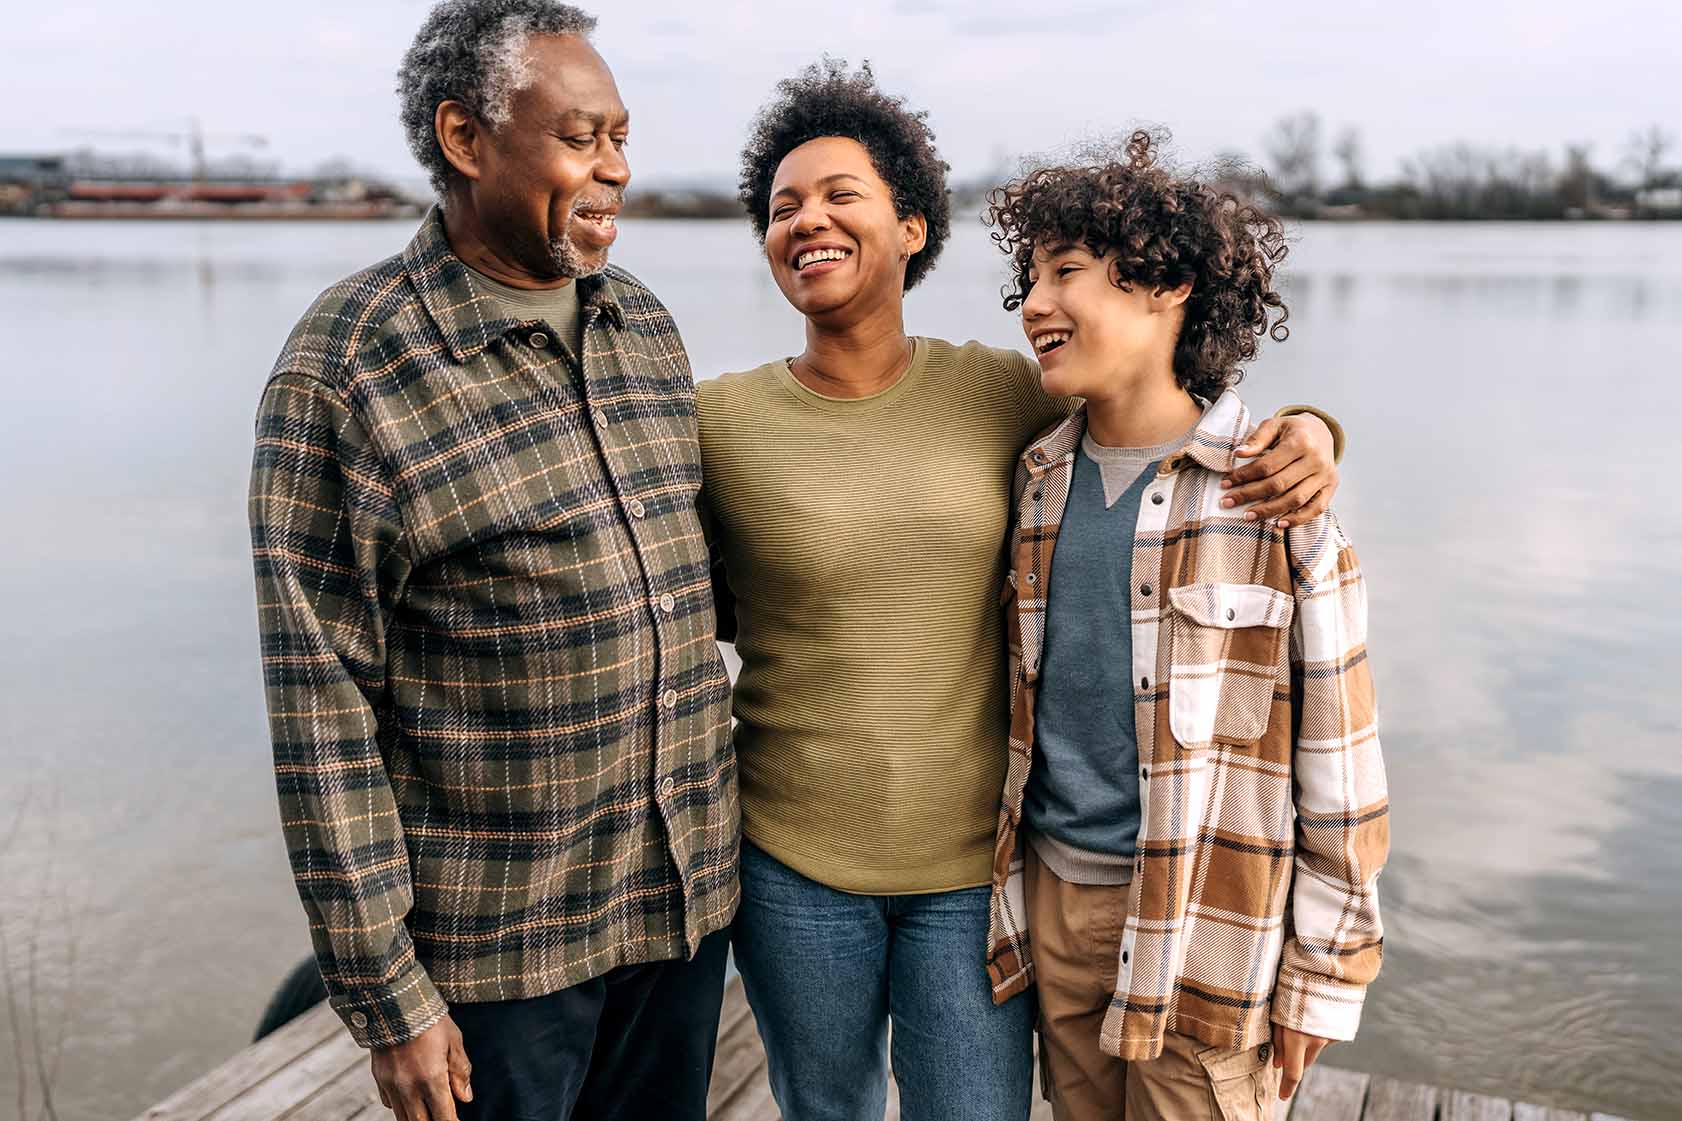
1147, 597
661, 604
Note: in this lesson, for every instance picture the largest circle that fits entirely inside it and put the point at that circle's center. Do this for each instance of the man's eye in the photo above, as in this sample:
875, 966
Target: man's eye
620, 142
582, 141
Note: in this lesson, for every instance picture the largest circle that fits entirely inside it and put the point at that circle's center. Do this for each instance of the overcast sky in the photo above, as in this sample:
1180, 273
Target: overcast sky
315, 77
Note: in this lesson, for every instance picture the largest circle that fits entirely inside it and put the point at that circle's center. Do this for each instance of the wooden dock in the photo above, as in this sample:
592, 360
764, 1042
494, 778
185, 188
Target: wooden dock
311, 1070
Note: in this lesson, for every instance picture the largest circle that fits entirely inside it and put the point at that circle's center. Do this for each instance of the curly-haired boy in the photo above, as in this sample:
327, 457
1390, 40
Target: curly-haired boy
1195, 813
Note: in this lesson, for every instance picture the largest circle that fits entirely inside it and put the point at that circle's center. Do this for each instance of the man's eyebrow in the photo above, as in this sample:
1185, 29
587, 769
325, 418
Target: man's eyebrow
595, 120
825, 181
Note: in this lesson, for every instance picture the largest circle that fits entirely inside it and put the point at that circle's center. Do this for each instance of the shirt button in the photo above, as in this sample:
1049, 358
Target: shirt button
669, 699
1038, 493
1231, 614
1144, 683
1033, 578
1144, 589
667, 603
600, 418
667, 785
637, 508
1039, 457
1156, 499
1124, 957
1144, 774
538, 340
359, 1019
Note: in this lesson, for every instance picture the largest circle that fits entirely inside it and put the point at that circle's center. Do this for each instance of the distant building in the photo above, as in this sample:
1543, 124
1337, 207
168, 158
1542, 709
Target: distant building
29, 181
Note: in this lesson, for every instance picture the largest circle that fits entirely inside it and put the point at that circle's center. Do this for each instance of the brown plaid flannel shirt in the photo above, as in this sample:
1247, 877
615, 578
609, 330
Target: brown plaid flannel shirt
1265, 815
500, 719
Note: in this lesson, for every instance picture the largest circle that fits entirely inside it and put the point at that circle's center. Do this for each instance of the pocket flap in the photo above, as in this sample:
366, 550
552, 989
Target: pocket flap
1231, 606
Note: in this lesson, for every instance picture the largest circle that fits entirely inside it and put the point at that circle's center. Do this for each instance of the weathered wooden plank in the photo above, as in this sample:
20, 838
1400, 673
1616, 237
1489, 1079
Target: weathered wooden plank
1389, 1099
341, 1099
1329, 1094
1459, 1105
1525, 1112
198, 1099
751, 1102
297, 1082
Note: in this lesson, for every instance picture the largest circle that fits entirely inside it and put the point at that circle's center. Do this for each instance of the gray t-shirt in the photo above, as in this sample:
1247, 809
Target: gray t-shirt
1081, 804
558, 307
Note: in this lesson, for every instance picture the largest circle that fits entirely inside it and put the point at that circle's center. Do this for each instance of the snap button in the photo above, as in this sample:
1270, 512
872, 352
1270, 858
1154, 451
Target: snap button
1033, 578
1144, 589
1264, 1051
1156, 499
1039, 456
359, 1019
1037, 493
637, 508
538, 340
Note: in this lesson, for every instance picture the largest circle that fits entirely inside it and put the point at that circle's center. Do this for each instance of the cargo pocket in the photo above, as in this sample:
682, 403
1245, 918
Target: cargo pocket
1226, 651
1238, 1082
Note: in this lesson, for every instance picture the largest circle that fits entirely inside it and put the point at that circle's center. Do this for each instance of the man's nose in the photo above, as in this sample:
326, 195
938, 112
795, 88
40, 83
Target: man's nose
614, 168
1036, 305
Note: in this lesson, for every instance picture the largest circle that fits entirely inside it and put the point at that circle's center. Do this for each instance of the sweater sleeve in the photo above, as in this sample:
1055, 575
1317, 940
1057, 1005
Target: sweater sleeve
1335, 938
326, 544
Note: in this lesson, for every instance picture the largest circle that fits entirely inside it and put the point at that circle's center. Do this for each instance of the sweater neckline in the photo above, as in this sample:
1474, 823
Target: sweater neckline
844, 405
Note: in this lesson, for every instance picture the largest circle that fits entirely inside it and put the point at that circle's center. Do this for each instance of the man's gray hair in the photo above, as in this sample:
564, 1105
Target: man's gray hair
474, 52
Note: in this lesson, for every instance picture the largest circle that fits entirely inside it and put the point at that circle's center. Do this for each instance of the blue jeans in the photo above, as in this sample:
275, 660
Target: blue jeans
825, 971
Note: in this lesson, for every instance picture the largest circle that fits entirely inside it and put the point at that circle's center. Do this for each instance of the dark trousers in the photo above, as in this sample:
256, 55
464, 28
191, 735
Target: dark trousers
635, 1044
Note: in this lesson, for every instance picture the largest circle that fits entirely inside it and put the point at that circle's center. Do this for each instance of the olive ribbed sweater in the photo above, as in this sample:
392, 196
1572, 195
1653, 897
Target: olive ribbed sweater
864, 543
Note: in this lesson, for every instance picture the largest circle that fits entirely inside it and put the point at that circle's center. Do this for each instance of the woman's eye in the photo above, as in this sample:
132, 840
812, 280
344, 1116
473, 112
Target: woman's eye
781, 212
1065, 270
845, 195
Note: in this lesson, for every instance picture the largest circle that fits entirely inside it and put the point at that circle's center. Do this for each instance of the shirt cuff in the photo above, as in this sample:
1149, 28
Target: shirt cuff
1330, 422
391, 1014
1318, 1005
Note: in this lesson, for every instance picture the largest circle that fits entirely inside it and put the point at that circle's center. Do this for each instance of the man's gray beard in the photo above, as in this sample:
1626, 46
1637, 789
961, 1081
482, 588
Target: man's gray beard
567, 258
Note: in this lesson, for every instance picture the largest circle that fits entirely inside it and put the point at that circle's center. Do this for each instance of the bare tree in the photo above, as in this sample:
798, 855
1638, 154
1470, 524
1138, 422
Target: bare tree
1645, 153
1351, 154
1293, 148
1577, 184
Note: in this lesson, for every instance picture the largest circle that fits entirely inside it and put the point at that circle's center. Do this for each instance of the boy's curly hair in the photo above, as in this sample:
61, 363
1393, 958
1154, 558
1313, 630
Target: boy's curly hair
825, 100
1165, 230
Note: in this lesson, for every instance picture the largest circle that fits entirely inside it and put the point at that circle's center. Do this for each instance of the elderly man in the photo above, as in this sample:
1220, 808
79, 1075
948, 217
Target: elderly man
500, 719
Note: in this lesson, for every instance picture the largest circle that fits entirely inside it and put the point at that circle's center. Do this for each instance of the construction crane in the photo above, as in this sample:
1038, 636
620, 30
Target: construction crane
194, 136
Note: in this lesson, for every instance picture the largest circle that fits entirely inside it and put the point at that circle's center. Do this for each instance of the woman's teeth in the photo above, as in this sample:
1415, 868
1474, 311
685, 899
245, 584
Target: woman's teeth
816, 255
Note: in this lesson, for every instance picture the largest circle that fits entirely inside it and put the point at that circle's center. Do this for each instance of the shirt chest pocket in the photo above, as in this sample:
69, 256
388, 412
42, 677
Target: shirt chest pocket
1226, 657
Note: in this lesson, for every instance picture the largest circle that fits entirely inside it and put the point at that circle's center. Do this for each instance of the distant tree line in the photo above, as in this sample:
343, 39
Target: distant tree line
1458, 180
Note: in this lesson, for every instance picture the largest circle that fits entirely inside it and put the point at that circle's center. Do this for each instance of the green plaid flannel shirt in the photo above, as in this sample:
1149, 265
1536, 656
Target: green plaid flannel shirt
500, 718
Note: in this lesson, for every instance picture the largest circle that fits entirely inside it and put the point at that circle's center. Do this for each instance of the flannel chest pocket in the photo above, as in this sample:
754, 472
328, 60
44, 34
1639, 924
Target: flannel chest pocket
1226, 652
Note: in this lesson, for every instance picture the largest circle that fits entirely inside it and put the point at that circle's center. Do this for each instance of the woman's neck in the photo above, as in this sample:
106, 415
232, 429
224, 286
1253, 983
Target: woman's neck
1142, 411
856, 360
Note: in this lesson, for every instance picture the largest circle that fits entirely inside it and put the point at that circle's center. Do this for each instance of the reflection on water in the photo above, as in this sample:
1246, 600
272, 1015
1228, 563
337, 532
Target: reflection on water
1510, 392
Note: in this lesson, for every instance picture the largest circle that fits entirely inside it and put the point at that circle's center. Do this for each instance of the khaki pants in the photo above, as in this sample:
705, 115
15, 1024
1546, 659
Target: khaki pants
1077, 943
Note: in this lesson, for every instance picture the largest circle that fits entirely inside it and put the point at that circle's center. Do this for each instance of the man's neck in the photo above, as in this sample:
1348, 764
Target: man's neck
1142, 411
856, 360
470, 242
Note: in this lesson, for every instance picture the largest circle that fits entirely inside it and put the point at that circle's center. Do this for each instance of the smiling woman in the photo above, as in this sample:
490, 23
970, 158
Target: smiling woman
858, 495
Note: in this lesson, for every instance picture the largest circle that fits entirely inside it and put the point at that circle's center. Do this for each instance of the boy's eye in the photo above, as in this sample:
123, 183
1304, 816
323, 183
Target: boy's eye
1065, 270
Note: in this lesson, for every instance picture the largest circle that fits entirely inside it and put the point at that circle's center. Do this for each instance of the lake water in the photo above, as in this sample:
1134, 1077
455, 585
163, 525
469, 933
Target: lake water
1512, 394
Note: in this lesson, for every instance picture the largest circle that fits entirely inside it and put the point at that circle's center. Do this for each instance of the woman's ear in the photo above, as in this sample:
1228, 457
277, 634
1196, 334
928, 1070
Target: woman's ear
915, 230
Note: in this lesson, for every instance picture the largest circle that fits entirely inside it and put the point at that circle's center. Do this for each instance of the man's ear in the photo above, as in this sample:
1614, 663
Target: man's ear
460, 136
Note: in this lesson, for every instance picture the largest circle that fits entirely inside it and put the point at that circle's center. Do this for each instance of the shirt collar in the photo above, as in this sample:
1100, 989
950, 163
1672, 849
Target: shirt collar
470, 318
1212, 443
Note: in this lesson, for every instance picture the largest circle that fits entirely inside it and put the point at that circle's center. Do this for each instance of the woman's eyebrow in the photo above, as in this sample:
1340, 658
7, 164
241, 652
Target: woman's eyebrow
824, 182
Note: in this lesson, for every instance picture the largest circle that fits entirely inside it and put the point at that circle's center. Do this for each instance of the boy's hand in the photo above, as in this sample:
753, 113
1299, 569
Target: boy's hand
1297, 475
422, 1079
1294, 1052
